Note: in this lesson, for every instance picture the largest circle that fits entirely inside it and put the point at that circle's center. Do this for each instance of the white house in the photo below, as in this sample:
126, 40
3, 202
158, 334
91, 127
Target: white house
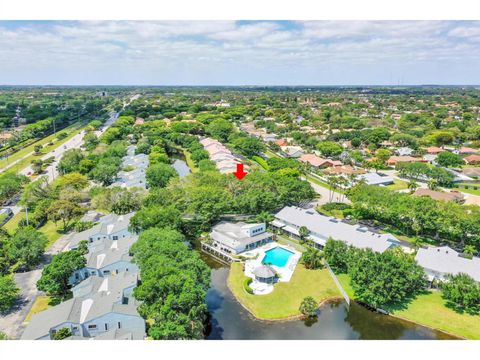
373, 178
439, 261
292, 151
291, 218
234, 238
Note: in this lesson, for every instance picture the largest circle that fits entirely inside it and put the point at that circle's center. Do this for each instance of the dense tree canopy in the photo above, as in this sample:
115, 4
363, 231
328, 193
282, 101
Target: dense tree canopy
174, 285
417, 215
8, 293
54, 279
159, 175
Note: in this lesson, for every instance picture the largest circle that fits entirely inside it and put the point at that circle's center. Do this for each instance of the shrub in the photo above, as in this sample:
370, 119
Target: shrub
246, 285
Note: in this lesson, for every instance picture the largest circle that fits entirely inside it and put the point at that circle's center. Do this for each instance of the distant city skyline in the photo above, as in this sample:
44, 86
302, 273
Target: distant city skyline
229, 53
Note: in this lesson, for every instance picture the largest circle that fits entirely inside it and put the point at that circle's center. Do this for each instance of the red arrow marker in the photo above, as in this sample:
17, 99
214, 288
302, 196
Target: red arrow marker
240, 174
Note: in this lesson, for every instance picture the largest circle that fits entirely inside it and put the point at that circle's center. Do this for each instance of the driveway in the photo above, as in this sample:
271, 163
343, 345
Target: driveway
11, 323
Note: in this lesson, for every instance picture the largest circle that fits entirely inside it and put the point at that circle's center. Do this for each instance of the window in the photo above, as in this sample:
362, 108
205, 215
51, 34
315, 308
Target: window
119, 325
92, 327
115, 237
106, 327
106, 272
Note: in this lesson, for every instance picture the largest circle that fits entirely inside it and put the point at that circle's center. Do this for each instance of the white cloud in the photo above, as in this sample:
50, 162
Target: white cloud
154, 51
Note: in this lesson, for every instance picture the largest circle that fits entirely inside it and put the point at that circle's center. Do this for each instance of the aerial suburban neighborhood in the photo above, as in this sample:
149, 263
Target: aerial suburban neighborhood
239, 212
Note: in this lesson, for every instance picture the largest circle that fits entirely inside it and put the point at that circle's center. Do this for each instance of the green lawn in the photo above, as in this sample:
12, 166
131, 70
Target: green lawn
470, 190
429, 309
398, 185
12, 224
189, 161
270, 153
285, 299
40, 304
262, 162
50, 230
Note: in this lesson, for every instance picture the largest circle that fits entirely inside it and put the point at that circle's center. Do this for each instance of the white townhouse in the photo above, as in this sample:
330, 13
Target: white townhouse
109, 227
100, 309
109, 257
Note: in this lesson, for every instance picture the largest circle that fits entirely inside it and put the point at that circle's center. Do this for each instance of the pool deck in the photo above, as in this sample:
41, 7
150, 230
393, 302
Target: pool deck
285, 272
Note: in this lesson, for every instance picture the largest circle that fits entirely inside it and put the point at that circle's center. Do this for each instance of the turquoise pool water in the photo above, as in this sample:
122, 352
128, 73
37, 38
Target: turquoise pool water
277, 256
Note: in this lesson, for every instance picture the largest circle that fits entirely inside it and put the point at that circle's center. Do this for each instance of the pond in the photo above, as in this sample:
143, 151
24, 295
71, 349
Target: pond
180, 166
230, 321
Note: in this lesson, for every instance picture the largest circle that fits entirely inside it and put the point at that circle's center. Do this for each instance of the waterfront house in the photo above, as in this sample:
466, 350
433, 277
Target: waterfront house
321, 228
439, 261
234, 238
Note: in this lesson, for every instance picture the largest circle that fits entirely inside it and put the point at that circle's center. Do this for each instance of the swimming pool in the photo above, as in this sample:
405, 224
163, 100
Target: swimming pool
277, 256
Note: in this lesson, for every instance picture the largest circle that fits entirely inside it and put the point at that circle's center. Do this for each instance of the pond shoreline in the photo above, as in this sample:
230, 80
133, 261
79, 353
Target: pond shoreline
328, 301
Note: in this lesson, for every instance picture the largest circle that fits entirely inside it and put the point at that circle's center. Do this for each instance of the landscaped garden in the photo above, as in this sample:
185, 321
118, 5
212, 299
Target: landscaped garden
285, 300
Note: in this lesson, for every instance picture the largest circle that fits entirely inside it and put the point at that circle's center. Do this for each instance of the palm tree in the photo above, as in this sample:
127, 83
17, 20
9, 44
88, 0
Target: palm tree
333, 182
470, 250
412, 186
265, 217
432, 184
304, 232
312, 258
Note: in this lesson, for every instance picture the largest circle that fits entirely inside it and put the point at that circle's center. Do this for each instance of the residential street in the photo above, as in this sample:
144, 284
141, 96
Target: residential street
74, 143
12, 323
326, 194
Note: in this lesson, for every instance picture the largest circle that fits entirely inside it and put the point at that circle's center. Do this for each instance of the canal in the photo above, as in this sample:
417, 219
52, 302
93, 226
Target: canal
230, 321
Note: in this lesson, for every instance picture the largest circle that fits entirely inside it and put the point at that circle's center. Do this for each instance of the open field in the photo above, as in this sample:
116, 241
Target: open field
285, 299
429, 309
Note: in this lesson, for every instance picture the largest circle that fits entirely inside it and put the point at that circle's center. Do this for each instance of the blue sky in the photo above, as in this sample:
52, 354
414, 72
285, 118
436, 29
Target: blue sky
239, 52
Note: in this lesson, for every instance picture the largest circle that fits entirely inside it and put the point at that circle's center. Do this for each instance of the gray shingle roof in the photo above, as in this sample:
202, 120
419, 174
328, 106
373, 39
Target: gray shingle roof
104, 299
323, 227
447, 261
110, 251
